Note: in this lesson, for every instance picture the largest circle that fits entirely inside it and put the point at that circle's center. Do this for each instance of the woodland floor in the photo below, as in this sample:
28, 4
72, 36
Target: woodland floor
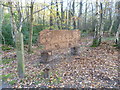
93, 67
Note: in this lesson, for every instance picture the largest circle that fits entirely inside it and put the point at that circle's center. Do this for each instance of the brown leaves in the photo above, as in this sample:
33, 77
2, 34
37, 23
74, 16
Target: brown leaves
93, 67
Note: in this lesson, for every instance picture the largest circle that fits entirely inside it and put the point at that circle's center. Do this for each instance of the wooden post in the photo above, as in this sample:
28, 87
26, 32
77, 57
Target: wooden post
20, 54
46, 73
74, 50
44, 57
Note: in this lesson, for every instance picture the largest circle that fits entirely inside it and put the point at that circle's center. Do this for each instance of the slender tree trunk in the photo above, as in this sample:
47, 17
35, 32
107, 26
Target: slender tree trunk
51, 17
38, 16
31, 28
95, 38
93, 24
85, 27
44, 17
69, 16
66, 19
110, 16
110, 29
118, 24
1, 22
111, 21
101, 28
62, 14
69, 20
27, 10
12, 20
73, 15
57, 14
98, 27
79, 16
118, 37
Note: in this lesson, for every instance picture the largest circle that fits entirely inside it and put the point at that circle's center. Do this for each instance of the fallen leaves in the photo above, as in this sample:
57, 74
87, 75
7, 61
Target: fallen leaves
92, 68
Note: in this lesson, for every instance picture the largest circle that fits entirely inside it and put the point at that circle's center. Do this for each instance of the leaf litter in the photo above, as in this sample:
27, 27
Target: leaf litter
93, 67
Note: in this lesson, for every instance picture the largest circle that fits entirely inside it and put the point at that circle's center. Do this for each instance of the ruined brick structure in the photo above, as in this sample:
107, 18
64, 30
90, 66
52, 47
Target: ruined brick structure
57, 39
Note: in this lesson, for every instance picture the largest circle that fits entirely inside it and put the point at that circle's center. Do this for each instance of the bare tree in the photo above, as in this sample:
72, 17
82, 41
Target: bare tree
118, 23
110, 18
18, 38
57, 14
73, 14
69, 16
99, 23
93, 23
79, 15
1, 22
51, 17
86, 9
31, 27
62, 14
44, 16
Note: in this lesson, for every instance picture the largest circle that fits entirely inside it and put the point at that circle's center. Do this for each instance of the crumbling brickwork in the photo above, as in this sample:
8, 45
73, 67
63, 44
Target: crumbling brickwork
56, 39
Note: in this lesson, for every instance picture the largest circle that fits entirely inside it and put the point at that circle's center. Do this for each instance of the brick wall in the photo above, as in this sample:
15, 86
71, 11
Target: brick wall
56, 39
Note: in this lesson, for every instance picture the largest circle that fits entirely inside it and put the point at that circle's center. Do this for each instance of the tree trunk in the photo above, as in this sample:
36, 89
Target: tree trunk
69, 21
51, 17
62, 14
31, 29
101, 27
118, 37
69, 17
85, 27
44, 17
98, 27
73, 15
79, 16
66, 20
110, 29
118, 24
57, 14
93, 24
1, 22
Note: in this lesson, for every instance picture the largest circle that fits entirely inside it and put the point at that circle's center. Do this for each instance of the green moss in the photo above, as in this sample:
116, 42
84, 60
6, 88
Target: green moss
5, 48
96, 42
93, 46
7, 60
116, 46
12, 82
5, 77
